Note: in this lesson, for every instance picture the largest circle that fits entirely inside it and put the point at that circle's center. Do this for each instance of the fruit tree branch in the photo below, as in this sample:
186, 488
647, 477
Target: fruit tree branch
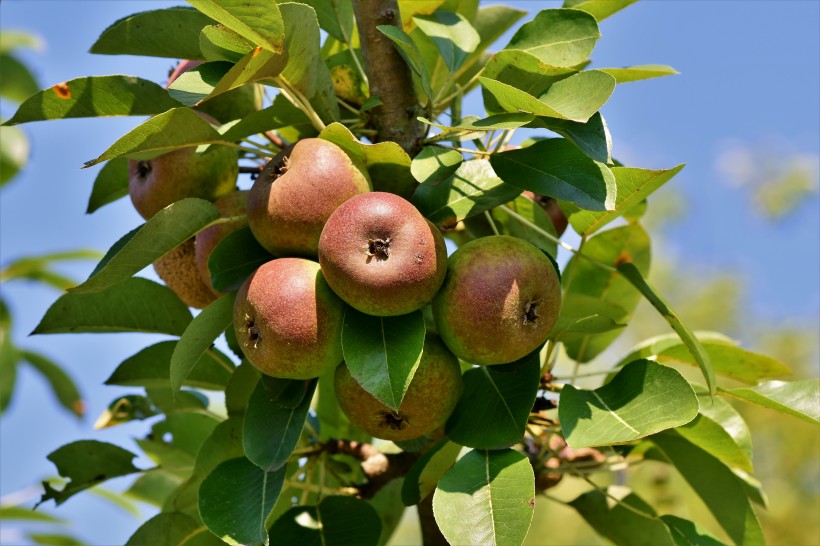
389, 76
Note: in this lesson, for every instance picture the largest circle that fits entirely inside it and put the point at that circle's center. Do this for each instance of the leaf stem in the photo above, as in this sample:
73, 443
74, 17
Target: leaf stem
492, 222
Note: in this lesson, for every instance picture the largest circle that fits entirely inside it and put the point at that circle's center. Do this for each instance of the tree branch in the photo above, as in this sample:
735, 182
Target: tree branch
389, 76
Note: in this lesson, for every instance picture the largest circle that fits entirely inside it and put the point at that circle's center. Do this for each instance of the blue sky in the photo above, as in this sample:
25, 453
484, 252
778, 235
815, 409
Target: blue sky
750, 78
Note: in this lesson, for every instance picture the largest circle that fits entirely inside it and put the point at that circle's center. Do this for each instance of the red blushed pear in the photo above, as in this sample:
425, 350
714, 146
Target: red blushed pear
288, 321
430, 398
296, 193
233, 205
381, 256
499, 301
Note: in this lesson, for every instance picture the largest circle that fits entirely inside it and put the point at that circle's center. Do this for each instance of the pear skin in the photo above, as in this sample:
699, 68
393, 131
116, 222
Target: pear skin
233, 205
179, 271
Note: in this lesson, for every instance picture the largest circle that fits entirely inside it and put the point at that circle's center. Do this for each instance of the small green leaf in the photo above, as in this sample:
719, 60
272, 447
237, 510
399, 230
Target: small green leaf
23, 513
726, 357
434, 164
174, 34
687, 533
197, 83
335, 521
280, 114
426, 472
508, 221
557, 168
454, 36
471, 190
15, 39
86, 463
271, 431
236, 498
644, 398
634, 185
622, 517
715, 440
720, 489
497, 122
95, 96
634, 276
151, 307
219, 43
799, 399
492, 413
111, 184
198, 337
14, 153
166, 230
235, 258
151, 367
382, 353
172, 529
411, 55
239, 389
591, 137
171, 130
55, 539
560, 37
124, 409
154, 488
63, 387
18, 83
600, 9
641, 72
486, 498
335, 18
258, 21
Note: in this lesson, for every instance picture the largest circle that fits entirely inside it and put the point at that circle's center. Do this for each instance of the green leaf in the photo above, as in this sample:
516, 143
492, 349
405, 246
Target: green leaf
198, 337
9, 357
23, 513
721, 490
271, 431
493, 123
111, 184
124, 409
560, 37
434, 164
634, 185
335, 521
333, 423
18, 83
15, 39
138, 249
281, 114
154, 488
382, 353
171, 130
633, 275
557, 168
172, 529
473, 189
63, 387
622, 517
726, 357
715, 440
591, 137
151, 307
723, 413
195, 84
508, 223
58, 539
37, 268
234, 259
642, 399
258, 21
687, 533
426, 472
409, 51
593, 290
174, 33
640, 72
95, 96
336, 18
492, 413
236, 498
14, 153
486, 498
240, 387
151, 367
219, 43
799, 399
454, 36
86, 463
600, 9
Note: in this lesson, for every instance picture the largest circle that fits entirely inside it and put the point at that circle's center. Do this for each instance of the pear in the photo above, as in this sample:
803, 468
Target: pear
381, 256
499, 301
296, 193
288, 321
233, 205
179, 271
430, 398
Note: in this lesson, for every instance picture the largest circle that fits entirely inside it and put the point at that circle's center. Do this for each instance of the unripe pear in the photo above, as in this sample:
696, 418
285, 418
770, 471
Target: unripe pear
381, 256
288, 321
499, 301
179, 271
233, 205
295, 194
430, 398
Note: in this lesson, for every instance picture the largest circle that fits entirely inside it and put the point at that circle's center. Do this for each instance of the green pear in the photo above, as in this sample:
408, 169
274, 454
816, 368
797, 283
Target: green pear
296, 193
234, 205
430, 398
499, 301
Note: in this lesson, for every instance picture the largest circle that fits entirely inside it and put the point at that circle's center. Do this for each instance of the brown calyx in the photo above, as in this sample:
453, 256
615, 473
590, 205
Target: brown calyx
530, 314
379, 249
395, 421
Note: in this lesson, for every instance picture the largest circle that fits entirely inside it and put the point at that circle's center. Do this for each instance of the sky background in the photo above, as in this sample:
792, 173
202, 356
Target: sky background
749, 86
